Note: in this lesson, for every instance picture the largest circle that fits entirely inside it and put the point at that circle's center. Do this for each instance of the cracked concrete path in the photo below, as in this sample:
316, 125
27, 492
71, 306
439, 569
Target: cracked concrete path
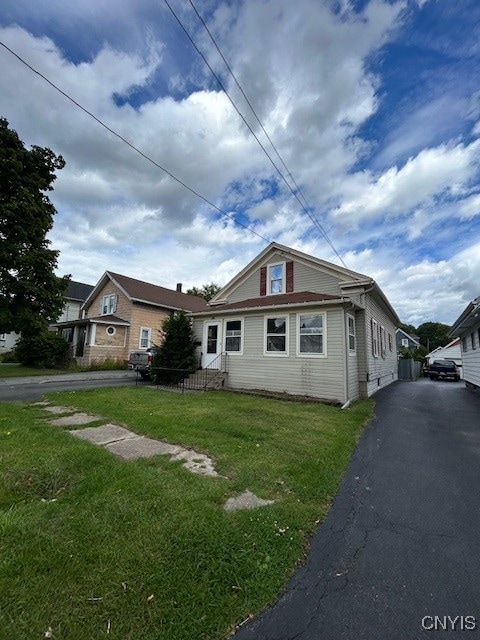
401, 543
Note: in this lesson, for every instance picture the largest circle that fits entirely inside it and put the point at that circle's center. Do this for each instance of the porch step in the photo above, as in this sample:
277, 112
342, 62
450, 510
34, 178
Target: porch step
206, 379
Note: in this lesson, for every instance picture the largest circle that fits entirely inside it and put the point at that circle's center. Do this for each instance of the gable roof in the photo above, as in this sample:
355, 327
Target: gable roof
340, 272
147, 293
349, 280
78, 291
414, 339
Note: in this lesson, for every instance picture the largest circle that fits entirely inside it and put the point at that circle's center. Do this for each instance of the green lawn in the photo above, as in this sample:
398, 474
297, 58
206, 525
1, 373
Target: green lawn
93, 546
18, 370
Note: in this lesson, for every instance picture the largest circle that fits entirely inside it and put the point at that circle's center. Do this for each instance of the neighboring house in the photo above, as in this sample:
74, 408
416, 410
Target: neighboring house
76, 294
121, 315
406, 340
8, 341
292, 323
467, 329
451, 351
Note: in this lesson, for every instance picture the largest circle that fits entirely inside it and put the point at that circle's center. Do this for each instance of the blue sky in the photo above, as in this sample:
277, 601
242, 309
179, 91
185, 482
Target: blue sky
374, 107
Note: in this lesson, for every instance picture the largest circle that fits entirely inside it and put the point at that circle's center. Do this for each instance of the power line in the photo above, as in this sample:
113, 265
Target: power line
132, 146
289, 173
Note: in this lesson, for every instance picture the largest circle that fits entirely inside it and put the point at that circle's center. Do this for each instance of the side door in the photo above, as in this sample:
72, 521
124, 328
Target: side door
212, 342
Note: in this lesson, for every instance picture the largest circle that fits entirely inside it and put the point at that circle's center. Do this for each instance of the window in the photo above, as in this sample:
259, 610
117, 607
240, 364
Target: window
472, 337
390, 342
276, 278
145, 338
109, 304
276, 335
405, 342
464, 344
3, 337
233, 336
351, 334
311, 338
375, 338
383, 343
111, 331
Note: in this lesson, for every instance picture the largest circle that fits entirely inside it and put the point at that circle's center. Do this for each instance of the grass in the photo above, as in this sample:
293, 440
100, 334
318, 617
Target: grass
95, 546
19, 370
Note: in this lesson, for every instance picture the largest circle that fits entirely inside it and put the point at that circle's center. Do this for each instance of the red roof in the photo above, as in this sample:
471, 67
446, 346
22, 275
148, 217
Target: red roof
298, 297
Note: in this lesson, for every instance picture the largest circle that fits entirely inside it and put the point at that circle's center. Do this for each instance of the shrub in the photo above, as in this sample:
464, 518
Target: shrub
8, 357
45, 349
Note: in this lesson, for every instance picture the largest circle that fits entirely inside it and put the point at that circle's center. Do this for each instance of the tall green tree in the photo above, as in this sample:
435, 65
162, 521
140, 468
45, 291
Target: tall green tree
207, 291
433, 335
31, 295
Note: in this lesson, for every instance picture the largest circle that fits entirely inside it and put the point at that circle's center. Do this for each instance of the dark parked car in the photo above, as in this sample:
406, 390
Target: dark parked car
443, 369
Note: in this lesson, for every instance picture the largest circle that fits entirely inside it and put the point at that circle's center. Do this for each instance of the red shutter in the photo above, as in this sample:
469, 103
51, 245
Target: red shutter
289, 277
263, 281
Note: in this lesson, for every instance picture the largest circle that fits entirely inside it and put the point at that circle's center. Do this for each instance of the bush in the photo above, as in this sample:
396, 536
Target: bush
109, 364
45, 349
8, 357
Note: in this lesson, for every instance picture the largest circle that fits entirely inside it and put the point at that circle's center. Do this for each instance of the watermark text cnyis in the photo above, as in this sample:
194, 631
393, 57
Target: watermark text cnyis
449, 623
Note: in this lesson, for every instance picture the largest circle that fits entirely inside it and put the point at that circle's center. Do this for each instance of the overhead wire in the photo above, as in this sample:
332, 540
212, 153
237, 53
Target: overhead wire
132, 146
306, 207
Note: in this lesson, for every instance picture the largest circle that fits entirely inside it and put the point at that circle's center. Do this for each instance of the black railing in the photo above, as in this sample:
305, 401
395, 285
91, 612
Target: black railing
190, 378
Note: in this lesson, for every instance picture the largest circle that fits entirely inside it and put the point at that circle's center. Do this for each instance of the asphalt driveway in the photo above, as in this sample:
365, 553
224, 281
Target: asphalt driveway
398, 556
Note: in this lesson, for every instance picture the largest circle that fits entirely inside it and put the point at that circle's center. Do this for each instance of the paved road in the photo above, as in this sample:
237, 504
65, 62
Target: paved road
402, 541
32, 387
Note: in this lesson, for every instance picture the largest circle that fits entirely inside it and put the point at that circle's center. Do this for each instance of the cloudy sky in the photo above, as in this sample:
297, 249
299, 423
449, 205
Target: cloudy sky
373, 107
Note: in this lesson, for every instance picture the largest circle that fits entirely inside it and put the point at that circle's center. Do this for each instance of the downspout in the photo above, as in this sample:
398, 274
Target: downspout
345, 351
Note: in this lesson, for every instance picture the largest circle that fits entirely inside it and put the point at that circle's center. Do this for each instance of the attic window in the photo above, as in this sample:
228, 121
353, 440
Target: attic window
276, 278
109, 304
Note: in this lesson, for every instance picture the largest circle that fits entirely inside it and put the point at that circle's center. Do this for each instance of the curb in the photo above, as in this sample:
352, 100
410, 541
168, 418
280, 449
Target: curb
88, 375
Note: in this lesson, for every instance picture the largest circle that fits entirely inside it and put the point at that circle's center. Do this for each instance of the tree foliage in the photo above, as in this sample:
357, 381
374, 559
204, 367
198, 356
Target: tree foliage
177, 350
433, 335
207, 291
42, 349
31, 295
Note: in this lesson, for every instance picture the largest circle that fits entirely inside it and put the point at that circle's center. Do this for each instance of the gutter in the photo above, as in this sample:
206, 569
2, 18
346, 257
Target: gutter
272, 307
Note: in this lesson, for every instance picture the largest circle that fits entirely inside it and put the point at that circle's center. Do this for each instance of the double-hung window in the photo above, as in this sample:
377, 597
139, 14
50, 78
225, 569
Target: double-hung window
351, 335
145, 338
374, 338
109, 304
276, 278
276, 333
311, 334
233, 336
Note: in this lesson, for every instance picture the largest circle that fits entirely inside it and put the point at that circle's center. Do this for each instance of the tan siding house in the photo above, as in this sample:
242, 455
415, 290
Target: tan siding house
291, 323
121, 315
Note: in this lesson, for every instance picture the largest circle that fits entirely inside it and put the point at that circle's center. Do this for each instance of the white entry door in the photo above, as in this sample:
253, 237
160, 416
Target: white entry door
212, 342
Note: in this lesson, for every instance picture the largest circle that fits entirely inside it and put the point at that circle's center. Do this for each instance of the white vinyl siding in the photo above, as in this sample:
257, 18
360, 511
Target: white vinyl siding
471, 358
380, 370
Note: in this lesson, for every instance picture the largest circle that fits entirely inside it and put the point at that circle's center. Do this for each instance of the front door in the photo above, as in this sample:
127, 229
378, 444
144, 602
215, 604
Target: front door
212, 343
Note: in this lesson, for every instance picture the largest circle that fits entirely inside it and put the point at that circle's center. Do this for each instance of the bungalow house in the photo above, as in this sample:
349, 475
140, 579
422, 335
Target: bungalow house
467, 328
292, 323
75, 296
121, 315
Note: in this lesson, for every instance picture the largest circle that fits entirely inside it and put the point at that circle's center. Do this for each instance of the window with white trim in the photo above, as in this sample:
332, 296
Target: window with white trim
276, 332
405, 342
145, 338
3, 337
472, 337
374, 338
311, 334
390, 342
464, 344
233, 336
109, 304
111, 331
276, 278
352, 339
383, 342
